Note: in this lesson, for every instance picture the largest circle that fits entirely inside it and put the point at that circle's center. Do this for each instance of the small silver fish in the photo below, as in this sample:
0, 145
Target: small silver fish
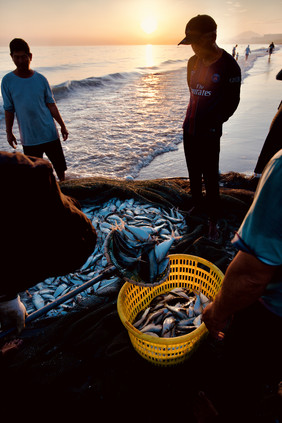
37, 301
61, 288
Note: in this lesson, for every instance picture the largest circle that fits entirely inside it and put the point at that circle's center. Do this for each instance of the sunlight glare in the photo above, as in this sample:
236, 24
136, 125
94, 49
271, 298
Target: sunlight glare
149, 24
149, 56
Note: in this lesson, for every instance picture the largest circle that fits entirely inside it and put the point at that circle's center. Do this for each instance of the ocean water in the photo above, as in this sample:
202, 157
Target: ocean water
123, 105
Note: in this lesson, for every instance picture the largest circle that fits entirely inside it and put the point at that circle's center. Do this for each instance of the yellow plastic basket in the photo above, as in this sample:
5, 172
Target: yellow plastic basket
192, 272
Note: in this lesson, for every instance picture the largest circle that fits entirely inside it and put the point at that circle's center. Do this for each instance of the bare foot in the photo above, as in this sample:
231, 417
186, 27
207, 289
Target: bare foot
204, 410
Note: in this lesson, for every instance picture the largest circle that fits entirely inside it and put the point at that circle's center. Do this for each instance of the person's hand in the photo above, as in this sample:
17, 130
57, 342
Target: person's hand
214, 323
13, 312
12, 139
64, 132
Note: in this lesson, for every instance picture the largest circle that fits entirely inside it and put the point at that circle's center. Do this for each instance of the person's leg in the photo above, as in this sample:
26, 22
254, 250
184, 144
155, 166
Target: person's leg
54, 152
193, 161
211, 176
33, 150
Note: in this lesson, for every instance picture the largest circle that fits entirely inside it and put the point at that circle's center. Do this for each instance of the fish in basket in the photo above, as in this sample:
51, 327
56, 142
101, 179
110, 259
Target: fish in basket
170, 341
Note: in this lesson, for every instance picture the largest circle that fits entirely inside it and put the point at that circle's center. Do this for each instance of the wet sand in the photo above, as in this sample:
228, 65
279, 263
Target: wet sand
244, 133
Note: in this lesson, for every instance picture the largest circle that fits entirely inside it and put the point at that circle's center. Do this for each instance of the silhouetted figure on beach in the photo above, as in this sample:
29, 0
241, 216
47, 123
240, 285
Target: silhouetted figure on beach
214, 81
271, 47
234, 50
27, 94
247, 51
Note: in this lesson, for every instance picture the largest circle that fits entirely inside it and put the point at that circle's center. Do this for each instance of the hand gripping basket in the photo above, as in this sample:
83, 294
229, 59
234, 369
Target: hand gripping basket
186, 271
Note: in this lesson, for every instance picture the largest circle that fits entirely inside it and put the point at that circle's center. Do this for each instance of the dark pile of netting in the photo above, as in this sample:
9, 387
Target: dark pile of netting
83, 365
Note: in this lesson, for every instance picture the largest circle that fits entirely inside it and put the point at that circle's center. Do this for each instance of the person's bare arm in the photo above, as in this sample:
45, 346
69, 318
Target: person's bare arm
9, 119
245, 281
57, 116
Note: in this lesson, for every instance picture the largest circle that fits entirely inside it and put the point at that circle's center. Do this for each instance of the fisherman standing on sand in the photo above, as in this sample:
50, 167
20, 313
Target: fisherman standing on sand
234, 50
270, 49
247, 51
27, 93
214, 81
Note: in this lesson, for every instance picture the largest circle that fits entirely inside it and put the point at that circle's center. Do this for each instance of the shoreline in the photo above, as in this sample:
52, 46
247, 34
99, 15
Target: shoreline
243, 134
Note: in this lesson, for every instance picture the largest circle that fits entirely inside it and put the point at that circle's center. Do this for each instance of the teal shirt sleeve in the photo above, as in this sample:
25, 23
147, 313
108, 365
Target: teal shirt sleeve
8, 103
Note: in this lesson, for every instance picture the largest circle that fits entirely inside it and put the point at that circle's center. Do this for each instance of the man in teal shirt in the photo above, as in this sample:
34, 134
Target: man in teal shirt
256, 271
247, 312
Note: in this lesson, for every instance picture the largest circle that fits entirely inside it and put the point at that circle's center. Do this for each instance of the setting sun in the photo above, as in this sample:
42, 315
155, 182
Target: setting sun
149, 25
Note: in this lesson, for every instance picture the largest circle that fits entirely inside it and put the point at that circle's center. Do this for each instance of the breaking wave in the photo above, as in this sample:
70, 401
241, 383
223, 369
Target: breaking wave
69, 87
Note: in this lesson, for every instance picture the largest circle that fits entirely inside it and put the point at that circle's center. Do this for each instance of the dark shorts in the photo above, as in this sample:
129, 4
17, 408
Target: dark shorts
53, 151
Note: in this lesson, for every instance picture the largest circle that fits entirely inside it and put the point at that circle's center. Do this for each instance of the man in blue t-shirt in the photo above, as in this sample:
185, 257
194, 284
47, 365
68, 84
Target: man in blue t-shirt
214, 81
27, 94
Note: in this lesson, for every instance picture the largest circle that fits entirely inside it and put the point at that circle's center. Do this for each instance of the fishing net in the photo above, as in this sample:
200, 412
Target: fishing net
236, 198
84, 362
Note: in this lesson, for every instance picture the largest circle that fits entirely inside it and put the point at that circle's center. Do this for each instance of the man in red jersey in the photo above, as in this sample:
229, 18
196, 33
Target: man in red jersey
214, 81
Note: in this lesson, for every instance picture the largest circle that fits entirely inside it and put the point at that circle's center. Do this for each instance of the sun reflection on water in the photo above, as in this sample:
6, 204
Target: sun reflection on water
150, 61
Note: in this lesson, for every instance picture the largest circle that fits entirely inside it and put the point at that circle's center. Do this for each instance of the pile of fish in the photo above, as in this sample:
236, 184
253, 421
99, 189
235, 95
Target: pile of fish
164, 223
174, 313
141, 251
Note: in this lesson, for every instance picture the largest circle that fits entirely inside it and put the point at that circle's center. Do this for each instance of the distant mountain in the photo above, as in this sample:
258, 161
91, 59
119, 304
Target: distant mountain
245, 37
251, 37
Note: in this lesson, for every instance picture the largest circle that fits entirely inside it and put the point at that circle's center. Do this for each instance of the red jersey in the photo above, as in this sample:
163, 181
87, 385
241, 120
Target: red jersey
214, 93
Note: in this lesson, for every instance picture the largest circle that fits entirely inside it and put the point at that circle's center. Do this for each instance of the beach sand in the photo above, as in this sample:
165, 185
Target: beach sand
244, 133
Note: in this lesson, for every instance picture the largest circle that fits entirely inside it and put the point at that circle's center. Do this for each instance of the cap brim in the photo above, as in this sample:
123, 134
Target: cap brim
189, 39
185, 41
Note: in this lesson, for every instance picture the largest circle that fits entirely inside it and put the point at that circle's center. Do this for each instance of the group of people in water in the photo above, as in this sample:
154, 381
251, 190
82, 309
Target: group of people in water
235, 53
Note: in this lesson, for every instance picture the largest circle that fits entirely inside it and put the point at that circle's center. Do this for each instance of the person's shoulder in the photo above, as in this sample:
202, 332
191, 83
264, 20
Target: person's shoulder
40, 77
227, 56
232, 63
272, 173
192, 59
276, 160
8, 76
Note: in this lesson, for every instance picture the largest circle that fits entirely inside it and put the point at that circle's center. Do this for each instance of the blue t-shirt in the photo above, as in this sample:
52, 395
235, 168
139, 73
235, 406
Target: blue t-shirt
28, 98
261, 231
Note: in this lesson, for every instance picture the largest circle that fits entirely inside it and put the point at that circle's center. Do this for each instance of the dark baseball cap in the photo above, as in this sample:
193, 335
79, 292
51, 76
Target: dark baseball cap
197, 26
18, 44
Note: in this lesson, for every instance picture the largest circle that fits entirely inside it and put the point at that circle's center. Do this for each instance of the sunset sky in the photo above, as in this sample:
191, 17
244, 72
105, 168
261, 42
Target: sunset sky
90, 22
